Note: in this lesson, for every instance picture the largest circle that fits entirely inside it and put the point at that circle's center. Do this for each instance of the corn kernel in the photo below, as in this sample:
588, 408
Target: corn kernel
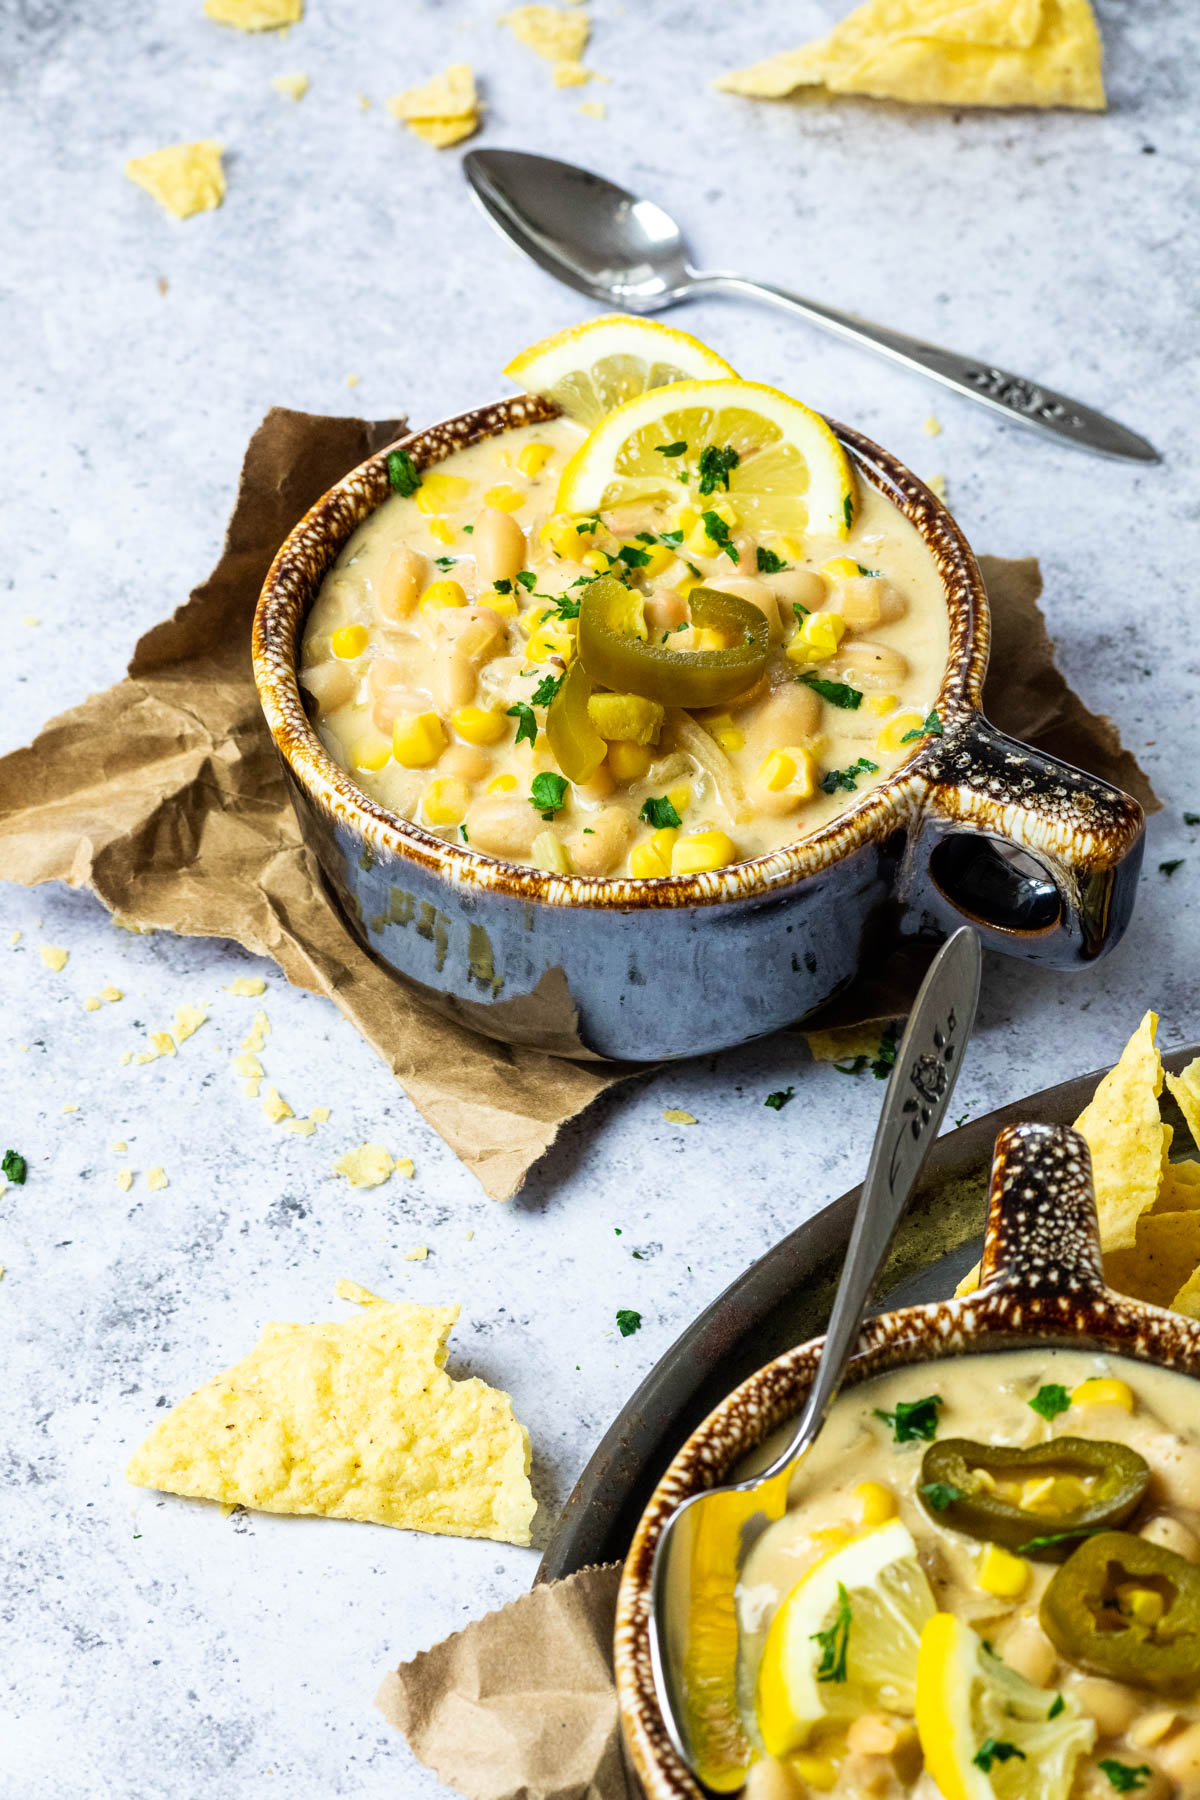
776, 771
504, 604
625, 716
504, 499
818, 638
371, 756
647, 864
446, 801
503, 784
706, 637
534, 458
533, 616
479, 724
686, 518
999, 1572
443, 593
567, 537
790, 548
551, 854
658, 558
663, 841
882, 704
893, 734
440, 493
730, 739
548, 641
698, 543
418, 739
597, 563
680, 797
725, 509
627, 615
841, 568
876, 1503
349, 642
684, 586
1140, 1603
628, 762
439, 529
818, 1772
1101, 1390
702, 851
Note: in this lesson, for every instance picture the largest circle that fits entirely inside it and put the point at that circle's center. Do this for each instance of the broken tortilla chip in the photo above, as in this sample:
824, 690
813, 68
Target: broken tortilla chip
561, 37
1161, 1261
1127, 1138
255, 15
443, 111
185, 178
352, 1420
1186, 1088
948, 53
1180, 1187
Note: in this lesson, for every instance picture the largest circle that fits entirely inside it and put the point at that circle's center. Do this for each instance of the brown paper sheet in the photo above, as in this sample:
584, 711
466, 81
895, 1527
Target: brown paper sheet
164, 796
521, 1705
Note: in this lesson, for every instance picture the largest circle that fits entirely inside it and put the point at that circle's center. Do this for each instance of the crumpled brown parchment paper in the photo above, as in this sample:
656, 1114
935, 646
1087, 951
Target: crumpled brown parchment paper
164, 796
521, 1705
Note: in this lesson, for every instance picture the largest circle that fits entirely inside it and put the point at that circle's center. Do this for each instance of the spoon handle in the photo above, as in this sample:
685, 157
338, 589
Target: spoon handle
918, 1093
1015, 396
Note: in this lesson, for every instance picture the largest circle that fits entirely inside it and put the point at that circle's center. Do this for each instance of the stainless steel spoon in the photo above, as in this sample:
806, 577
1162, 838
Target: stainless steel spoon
714, 1531
629, 253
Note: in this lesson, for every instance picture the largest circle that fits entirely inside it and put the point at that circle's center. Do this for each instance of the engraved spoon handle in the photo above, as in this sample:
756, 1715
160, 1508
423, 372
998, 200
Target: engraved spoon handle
1015, 396
922, 1080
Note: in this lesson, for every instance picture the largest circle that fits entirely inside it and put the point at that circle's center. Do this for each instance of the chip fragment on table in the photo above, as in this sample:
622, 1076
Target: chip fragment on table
255, 15
442, 111
946, 52
185, 178
352, 1419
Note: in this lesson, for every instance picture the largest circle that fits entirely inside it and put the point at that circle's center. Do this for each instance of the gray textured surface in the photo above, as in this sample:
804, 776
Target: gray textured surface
149, 1646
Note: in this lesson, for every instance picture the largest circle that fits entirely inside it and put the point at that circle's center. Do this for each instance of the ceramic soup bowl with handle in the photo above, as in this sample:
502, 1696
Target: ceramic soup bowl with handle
1040, 857
1041, 1285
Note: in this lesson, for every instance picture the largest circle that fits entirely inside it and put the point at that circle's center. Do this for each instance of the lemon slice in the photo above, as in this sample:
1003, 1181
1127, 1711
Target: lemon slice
986, 1732
788, 473
594, 367
845, 1640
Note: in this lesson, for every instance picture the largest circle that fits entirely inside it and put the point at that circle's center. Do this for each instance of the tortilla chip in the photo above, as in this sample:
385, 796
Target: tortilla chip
185, 178
949, 53
1161, 1262
843, 1043
1179, 1189
1187, 1300
352, 1420
1186, 1088
447, 96
1127, 1138
558, 36
255, 15
441, 133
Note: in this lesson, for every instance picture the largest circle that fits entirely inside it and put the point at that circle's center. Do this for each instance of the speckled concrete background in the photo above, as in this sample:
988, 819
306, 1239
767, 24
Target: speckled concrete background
149, 1646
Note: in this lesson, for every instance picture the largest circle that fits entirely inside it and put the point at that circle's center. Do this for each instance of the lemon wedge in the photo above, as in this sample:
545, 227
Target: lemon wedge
591, 368
785, 469
845, 1640
986, 1732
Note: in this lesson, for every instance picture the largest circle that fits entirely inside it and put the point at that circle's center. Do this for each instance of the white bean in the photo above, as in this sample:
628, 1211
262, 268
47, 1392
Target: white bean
499, 546
1029, 1651
403, 577
876, 667
790, 714
467, 760
384, 673
771, 1780
1113, 1706
1172, 1534
748, 587
801, 586
331, 684
867, 600
596, 852
394, 701
503, 825
454, 678
664, 611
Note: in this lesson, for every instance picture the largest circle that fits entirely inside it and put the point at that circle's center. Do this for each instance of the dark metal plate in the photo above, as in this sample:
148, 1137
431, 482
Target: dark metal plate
784, 1299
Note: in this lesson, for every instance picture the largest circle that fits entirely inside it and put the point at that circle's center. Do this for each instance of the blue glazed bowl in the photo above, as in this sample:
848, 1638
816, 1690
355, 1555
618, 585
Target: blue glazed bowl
1041, 858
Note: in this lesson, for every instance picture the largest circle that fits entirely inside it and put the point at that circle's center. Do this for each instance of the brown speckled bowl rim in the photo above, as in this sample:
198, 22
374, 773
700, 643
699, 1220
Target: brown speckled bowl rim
1049, 1298
312, 546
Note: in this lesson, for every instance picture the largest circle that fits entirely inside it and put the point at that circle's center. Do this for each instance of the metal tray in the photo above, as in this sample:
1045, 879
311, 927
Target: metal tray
784, 1299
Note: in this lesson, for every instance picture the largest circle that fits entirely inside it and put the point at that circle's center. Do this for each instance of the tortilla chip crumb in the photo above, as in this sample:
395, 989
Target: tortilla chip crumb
442, 111
247, 985
352, 381
120, 1146
127, 1058
111, 994
255, 15
593, 109
299, 1127
156, 1178
674, 1116
257, 1037
933, 426
91, 1004
130, 925
937, 485
561, 37
184, 178
367, 1167
54, 956
15, 939
404, 1166
320, 1114
364, 102
162, 1043
470, 1235
70, 1107
276, 1108
571, 74
353, 1419
250, 1089
188, 1020
420, 1254
143, 1056
293, 87
247, 1066
124, 1180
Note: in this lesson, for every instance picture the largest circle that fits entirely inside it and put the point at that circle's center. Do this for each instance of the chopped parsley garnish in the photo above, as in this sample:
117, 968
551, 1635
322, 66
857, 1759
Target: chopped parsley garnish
801, 612
628, 1322
930, 726
1191, 818
463, 830
768, 562
939, 1494
779, 1099
632, 557
835, 1640
848, 510
672, 539
862, 571
678, 449
526, 723
1169, 868
548, 793
1125, 1777
566, 608
14, 1167
847, 779
445, 562
469, 529
913, 1420
1058, 1537
715, 467
503, 584
881, 1063
1059, 1706
403, 473
995, 1750
660, 814
546, 689
718, 531
1050, 1400
528, 580
838, 693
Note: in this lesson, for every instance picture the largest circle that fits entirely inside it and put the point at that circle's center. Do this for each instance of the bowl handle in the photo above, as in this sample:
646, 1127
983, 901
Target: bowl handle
1041, 858
1043, 1237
